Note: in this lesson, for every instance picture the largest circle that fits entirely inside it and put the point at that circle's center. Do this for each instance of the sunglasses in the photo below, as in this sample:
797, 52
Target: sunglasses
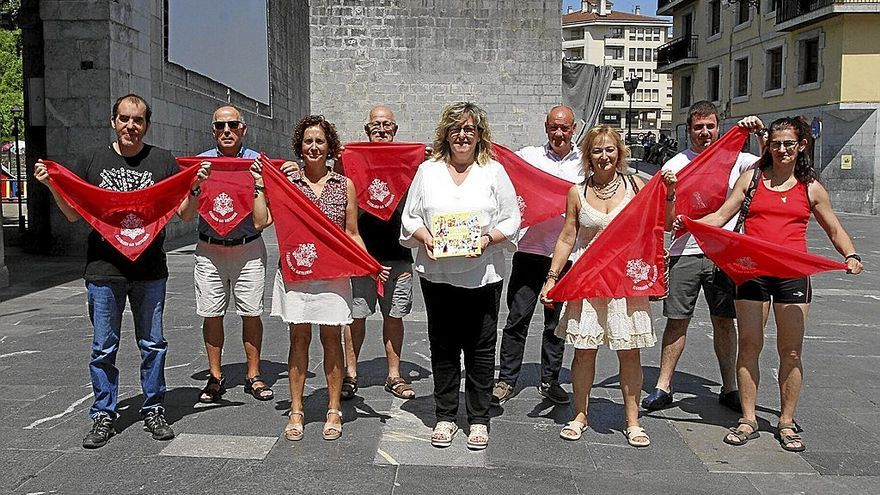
233, 124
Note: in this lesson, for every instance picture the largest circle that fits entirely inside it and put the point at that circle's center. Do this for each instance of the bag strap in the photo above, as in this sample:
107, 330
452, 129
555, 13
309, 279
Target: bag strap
632, 182
747, 201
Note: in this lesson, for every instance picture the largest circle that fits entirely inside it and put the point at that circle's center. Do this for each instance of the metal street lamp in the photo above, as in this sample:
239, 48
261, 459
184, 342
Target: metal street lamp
630, 87
16, 116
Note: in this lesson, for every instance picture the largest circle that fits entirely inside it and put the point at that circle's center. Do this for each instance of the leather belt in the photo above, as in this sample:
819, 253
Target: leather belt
228, 242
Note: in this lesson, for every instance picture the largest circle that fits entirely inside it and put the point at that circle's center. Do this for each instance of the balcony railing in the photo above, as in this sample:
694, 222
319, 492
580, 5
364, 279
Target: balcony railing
665, 7
676, 53
792, 14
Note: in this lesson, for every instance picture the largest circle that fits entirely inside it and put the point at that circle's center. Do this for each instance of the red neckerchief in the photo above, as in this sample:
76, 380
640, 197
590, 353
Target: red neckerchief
381, 173
540, 195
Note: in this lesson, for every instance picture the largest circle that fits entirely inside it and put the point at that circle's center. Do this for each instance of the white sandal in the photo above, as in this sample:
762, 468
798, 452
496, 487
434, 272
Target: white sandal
478, 438
575, 427
634, 432
443, 434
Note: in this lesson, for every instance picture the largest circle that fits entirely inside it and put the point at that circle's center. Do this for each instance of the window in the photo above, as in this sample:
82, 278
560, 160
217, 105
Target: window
773, 68
616, 32
684, 100
714, 17
770, 5
610, 118
640, 54
614, 52
743, 12
808, 61
640, 94
640, 34
632, 54
618, 72
713, 92
655, 95
632, 34
741, 77
615, 97
657, 34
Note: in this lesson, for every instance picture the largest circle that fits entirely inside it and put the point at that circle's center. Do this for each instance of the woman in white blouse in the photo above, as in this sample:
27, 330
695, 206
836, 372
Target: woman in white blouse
462, 294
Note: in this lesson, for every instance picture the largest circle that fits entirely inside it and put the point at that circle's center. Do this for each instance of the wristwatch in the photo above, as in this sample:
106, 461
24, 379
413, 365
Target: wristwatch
853, 256
194, 192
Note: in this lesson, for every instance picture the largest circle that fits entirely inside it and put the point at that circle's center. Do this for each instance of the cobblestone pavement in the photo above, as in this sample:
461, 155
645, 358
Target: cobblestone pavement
235, 446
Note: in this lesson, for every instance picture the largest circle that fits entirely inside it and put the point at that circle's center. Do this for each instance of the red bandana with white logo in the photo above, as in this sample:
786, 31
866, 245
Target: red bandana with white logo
310, 245
626, 259
743, 258
129, 220
381, 173
540, 195
702, 184
227, 196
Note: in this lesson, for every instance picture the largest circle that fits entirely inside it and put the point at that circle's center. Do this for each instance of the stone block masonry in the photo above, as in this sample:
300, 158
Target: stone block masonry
418, 55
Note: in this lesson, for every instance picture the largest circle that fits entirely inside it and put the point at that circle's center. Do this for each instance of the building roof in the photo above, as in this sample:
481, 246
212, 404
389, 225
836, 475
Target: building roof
587, 17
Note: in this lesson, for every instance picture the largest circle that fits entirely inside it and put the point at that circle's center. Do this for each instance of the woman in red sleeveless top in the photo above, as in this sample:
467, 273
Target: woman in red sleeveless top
786, 194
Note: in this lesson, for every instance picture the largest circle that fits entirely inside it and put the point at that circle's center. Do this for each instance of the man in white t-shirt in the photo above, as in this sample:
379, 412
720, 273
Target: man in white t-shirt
561, 158
690, 270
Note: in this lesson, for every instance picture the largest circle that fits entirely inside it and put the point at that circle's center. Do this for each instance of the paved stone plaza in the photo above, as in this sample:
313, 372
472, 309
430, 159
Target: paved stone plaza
235, 446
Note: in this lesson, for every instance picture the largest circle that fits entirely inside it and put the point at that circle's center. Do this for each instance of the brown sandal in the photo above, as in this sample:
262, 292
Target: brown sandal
738, 437
349, 387
399, 388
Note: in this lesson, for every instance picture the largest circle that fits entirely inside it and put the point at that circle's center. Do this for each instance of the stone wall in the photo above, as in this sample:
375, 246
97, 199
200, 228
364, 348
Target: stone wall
418, 55
96, 51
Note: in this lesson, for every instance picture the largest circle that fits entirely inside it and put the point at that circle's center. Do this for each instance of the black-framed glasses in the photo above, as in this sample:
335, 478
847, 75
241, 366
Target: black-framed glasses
386, 125
233, 124
778, 145
468, 130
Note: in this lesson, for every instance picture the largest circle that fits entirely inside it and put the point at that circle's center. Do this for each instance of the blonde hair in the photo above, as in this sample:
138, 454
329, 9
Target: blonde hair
592, 136
452, 115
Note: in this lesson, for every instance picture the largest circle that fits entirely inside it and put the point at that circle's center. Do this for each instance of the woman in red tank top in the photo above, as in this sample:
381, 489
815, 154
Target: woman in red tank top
785, 196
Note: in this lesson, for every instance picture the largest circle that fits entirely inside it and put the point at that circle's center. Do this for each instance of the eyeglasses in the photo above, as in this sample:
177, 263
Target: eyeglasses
233, 124
778, 145
554, 128
380, 124
468, 130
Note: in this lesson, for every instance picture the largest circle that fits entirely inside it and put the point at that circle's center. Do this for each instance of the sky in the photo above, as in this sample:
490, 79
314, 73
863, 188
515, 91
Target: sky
649, 7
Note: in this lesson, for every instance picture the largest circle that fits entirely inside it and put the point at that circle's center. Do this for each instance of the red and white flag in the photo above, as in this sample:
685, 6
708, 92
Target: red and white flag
743, 258
129, 220
310, 245
227, 196
540, 195
626, 259
381, 173
702, 185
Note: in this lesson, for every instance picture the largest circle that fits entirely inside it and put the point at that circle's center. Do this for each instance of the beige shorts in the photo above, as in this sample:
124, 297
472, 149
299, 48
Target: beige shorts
221, 272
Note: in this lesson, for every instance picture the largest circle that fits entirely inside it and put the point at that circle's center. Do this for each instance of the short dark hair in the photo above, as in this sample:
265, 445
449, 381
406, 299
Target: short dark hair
312, 121
134, 99
702, 108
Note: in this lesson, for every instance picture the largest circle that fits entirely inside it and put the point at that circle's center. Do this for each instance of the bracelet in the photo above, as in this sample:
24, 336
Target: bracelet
491, 240
552, 274
259, 189
762, 132
194, 192
671, 198
853, 256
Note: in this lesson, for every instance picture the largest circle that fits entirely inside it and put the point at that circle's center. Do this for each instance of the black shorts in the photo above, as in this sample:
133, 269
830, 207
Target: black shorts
781, 290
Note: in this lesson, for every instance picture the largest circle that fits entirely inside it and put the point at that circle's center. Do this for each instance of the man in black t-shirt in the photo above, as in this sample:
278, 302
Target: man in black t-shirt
126, 165
381, 239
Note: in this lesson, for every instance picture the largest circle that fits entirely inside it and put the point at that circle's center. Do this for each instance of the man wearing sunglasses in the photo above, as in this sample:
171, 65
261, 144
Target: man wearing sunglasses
559, 157
690, 271
233, 265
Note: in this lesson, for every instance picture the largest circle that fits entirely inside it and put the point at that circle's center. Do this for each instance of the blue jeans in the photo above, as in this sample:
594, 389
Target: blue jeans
106, 303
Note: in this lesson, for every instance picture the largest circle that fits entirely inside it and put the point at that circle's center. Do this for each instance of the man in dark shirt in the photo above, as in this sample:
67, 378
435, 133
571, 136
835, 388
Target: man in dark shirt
126, 165
234, 264
380, 237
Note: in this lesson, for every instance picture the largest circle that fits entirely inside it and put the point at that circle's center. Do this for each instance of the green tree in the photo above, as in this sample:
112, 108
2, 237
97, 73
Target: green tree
11, 83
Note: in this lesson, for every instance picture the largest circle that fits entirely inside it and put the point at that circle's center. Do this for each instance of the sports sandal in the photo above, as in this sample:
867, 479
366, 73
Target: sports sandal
443, 434
212, 392
634, 433
478, 438
739, 437
349, 387
399, 388
261, 392
573, 430
787, 441
332, 431
294, 431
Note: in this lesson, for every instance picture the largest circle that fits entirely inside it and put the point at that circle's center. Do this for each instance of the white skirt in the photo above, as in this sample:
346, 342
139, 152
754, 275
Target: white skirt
318, 302
621, 324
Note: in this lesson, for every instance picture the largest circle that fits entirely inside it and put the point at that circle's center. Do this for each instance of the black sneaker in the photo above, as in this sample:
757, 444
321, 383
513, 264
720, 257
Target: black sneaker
658, 399
501, 392
102, 430
154, 422
554, 393
730, 400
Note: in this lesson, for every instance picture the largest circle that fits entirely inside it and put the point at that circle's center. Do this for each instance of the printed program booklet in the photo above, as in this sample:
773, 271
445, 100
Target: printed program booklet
456, 234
